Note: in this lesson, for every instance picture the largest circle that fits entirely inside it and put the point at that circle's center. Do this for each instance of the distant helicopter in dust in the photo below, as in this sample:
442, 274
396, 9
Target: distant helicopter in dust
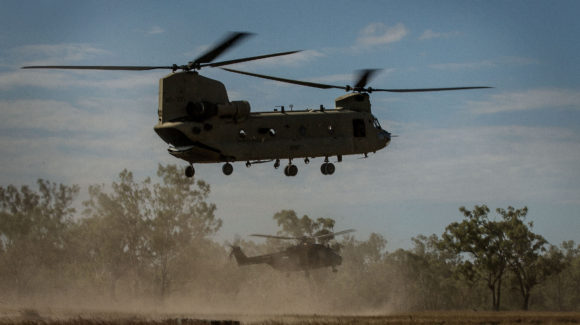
201, 125
306, 255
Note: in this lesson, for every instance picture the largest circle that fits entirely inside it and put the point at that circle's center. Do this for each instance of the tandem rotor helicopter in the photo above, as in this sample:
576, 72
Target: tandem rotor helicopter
310, 253
201, 125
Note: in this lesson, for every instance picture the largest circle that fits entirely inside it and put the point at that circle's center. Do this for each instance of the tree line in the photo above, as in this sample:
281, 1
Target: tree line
153, 240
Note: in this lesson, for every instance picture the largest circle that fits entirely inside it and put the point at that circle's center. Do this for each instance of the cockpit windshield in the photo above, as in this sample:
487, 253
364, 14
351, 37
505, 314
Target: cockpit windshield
376, 123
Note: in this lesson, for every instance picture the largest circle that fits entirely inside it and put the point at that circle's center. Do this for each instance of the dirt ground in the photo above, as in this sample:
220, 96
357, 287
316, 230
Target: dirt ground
29, 316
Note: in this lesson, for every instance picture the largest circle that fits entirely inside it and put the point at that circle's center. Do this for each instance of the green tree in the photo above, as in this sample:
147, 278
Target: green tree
148, 230
435, 277
560, 290
115, 227
571, 276
180, 217
527, 258
485, 243
305, 226
33, 227
363, 273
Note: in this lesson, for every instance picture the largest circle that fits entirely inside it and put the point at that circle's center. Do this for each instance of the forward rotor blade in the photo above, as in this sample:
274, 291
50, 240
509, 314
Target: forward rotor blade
296, 82
219, 49
97, 67
222, 63
417, 90
275, 237
364, 77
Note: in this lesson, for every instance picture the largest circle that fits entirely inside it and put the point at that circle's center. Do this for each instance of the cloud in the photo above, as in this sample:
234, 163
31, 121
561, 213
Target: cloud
528, 100
380, 34
46, 54
155, 30
491, 63
57, 116
464, 65
79, 143
512, 163
429, 34
80, 159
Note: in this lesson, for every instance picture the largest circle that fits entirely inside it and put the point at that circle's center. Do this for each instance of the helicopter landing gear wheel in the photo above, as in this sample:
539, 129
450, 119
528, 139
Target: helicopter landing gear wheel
327, 168
291, 170
277, 164
227, 168
189, 171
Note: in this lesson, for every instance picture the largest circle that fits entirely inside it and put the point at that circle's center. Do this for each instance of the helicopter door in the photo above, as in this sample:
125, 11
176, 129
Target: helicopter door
358, 127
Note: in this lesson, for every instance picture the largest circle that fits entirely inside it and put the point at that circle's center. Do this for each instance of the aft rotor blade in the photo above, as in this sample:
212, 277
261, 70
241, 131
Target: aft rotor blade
332, 234
362, 80
97, 67
417, 90
222, 63
219, 49
296, 82
275, 237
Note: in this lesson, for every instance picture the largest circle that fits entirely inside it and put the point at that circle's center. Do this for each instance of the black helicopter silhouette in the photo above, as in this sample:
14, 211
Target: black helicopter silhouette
305, 256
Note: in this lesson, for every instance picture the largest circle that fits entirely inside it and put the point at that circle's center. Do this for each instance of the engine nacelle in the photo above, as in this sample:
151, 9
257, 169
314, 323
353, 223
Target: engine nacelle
237, 110
186, 95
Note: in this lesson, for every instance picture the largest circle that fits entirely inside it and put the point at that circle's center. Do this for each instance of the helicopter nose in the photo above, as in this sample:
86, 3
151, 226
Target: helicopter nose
384, 136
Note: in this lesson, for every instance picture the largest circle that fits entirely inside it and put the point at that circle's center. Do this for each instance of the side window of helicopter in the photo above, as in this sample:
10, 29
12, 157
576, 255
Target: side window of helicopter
358, 127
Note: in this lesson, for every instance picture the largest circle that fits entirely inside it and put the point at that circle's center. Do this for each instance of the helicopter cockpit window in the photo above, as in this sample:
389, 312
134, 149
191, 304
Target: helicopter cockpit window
376, 123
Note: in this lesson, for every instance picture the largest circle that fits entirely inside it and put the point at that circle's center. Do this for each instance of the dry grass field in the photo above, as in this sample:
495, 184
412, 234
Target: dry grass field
50, 317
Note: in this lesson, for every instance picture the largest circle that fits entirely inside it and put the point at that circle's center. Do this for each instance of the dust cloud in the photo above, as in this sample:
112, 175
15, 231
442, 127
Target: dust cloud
213, 285
149, 249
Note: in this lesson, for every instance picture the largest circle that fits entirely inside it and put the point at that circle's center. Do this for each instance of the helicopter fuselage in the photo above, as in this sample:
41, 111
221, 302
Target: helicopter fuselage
202, 126
302, 257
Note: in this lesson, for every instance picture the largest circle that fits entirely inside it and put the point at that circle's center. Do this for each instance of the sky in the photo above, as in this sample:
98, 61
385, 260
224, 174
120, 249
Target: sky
517, 144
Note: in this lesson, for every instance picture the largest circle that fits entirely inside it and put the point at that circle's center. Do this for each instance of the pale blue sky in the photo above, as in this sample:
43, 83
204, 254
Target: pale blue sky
517, 144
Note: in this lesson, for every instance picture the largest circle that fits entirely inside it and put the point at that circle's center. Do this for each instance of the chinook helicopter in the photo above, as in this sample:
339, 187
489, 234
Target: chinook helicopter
201, 125
305, 256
